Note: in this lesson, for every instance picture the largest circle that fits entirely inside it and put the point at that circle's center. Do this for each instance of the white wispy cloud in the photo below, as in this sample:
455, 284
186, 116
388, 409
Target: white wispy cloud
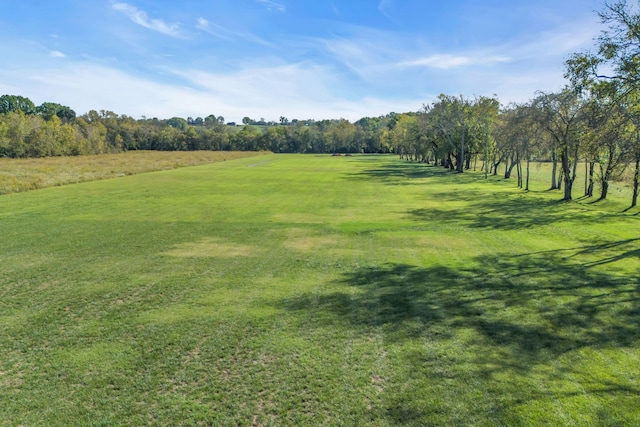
447, 61
383, 7
202, 24
268, 91
273, 6
227, 34
215, 30
367, 53
57, 54
140, 17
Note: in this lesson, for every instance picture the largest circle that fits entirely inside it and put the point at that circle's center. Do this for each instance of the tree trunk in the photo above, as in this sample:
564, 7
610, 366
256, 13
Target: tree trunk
495, 167
554, 171
461, 159
486, 156
526, 187
606, 175
604, 190
586, 175
509, 168
589, 190
519, 169
566, 174
559, 184
567, 189
636, 178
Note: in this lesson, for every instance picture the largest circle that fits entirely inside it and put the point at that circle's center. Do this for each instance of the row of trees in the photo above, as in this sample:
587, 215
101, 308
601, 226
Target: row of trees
598, 125
595, 119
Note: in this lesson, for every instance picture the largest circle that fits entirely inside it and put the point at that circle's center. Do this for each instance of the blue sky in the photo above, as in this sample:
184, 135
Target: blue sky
299, 59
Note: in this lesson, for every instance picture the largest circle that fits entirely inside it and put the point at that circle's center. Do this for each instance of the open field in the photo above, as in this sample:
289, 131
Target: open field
317, 290
17, 175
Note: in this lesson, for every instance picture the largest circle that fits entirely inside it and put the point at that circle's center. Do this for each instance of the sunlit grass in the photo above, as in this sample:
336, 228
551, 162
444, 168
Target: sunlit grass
312, 290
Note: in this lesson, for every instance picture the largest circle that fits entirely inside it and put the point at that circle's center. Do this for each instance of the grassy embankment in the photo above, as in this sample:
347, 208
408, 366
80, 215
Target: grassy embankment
311, 290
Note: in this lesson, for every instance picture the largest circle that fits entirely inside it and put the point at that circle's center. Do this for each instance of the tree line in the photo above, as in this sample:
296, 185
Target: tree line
54, 130
595, 119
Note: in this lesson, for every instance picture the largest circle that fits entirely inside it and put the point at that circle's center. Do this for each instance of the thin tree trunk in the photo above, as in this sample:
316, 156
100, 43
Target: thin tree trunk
486, 156
586, 176
636, 178
560, 177
554, 171
589, 191
567, 189
461, 162
508, 168
527, 180
604, 190
606, 175
519, 168
566, 172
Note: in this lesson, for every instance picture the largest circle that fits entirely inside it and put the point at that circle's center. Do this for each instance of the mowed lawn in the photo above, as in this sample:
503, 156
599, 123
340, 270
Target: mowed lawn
316, 290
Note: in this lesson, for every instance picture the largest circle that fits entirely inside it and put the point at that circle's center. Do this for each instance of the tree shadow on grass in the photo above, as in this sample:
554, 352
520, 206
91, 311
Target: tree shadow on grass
509, 212
405, 173
517, 314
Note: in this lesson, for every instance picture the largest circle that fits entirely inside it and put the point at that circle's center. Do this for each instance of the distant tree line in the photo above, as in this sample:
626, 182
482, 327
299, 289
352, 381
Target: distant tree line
54, 130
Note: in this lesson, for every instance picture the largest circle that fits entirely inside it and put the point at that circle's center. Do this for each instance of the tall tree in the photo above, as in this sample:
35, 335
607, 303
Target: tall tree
608, 130
560, 114
616, 59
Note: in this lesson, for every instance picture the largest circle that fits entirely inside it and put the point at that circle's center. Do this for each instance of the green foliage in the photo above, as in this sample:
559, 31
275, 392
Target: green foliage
453, 129
13, 103
22, 135
50, 109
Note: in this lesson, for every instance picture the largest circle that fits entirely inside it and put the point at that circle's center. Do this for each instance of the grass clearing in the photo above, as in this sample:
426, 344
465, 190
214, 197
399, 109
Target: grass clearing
312, 290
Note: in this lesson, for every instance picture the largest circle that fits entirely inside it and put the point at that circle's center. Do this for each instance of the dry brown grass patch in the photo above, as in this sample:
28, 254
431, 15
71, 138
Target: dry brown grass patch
20, 175
211, 247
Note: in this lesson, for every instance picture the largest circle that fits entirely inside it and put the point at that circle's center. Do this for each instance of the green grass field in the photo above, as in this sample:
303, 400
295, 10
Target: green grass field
317, 290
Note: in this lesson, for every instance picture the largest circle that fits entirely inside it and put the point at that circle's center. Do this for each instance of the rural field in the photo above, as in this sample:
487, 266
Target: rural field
18, 175
317, 290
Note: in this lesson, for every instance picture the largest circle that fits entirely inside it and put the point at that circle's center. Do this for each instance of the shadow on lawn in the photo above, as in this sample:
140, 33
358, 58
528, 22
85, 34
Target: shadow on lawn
506, 212
536, 304
498, 210
523, 312
402, 173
